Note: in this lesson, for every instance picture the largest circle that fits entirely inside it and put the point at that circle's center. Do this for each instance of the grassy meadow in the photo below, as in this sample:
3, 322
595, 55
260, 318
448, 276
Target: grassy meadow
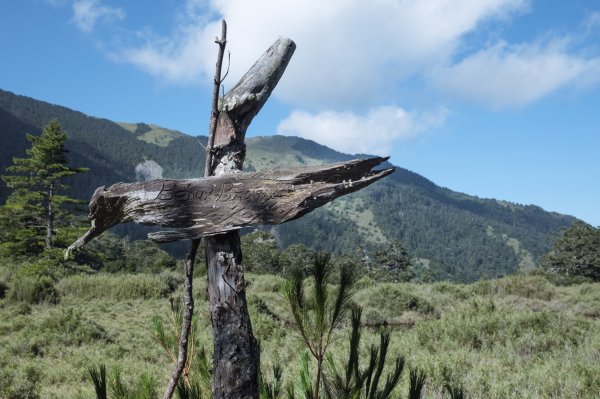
515, 337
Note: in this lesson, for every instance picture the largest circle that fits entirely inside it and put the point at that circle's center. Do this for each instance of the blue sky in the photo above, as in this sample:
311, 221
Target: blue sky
494, 98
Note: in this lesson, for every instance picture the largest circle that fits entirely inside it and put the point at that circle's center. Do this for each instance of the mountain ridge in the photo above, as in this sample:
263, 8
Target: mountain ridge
451, 235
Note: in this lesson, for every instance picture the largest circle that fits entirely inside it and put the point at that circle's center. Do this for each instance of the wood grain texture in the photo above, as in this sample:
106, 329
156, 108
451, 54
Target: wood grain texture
240, 105
236, 359
217, 204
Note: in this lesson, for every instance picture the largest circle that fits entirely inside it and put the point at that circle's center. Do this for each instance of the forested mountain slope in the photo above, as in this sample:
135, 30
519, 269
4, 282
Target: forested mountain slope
452, 235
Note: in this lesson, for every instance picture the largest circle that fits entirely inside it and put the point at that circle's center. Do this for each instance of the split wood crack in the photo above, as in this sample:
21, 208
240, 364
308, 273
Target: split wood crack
217, 204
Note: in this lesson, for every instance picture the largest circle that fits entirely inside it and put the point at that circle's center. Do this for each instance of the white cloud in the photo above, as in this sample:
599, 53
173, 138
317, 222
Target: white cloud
353, 56
591, 22
179, 62
374, 133
350, 53
87, 12
503, 75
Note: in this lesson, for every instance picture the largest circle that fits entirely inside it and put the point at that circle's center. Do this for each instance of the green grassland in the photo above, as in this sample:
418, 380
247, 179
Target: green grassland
516, 337
152, 134
355, 209
260, 157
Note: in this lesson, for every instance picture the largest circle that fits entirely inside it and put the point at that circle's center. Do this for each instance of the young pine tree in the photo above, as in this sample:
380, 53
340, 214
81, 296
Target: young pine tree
28, 219
317, 316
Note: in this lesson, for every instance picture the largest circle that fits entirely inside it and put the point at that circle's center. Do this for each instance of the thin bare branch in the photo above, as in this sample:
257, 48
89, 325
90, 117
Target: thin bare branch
214, 115
188, 309
189, 265
228, 65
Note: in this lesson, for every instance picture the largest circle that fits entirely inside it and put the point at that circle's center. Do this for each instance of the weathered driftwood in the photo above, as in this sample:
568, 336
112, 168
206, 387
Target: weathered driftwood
217, 204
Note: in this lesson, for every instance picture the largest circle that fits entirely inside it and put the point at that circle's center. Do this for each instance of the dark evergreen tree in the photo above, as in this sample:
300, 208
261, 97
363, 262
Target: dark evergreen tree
392, 264
35, 208
261, 253
576, 253
297, 256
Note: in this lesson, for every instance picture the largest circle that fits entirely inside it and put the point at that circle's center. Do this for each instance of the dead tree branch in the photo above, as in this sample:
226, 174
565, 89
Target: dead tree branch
217, 204
214, 114
188, 310
188, 300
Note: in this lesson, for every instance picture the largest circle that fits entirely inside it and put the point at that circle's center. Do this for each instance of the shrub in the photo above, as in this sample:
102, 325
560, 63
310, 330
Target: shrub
480, 325
576, 253
34, 290
3, 289
456, 290
562, 280
22, 309
171, 280
531, 287
261, 253
20, 383
264, 283
113, 254
71, 328
116, 287
387, 301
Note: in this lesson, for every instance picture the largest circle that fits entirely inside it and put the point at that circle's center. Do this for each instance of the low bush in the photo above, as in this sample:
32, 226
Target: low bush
507, 342
531, 287
20, 383
21, 309
112, 254
70, 327
566, 281
480, 325
456, 290
384, 302
3, 289
58, 329
173, 280
126, 286
33, 290
264, 283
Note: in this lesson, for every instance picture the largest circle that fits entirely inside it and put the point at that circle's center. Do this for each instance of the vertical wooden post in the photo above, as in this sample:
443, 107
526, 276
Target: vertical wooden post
236, 355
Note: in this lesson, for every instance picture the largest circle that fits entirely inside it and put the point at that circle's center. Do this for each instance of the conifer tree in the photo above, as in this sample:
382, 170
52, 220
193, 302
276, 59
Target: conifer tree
576, 253
393, 264
28, 219
319, 315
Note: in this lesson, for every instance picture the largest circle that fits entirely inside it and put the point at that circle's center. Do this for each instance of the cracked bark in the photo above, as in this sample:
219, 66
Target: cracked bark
236, 356
217, 204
